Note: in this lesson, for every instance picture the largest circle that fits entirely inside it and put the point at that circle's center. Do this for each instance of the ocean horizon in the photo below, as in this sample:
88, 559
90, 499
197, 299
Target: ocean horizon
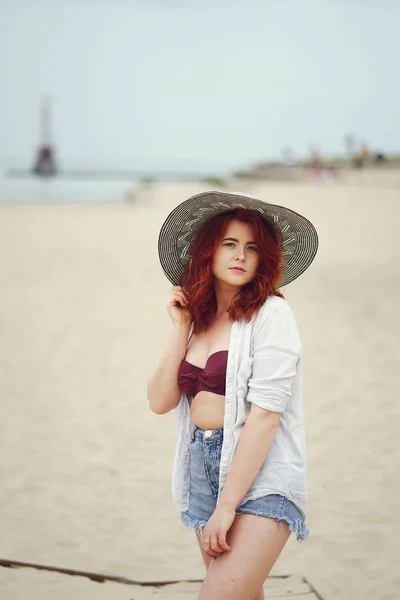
86, 186
57, 190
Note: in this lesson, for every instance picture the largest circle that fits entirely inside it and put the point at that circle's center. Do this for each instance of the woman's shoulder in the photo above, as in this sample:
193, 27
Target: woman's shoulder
275, 308
273, 304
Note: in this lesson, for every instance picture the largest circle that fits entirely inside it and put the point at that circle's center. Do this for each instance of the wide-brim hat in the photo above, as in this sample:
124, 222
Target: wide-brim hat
180, 228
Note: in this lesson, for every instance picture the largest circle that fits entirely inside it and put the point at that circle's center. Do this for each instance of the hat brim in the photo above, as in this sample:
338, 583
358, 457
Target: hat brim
299, 236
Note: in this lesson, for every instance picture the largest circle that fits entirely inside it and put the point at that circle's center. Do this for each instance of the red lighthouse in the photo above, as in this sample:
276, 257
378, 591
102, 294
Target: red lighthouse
45, 165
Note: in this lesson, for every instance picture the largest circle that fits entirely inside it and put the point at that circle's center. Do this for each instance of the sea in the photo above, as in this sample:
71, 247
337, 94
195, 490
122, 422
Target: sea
81, 187
54, 190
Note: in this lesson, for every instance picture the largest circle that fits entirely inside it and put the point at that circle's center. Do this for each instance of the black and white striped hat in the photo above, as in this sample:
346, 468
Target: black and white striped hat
299, 236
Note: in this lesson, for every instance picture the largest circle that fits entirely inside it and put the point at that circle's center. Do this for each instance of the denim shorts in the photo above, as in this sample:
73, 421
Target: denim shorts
205, 456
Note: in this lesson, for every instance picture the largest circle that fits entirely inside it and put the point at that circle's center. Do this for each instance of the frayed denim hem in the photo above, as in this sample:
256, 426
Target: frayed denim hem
193, 523
295, 525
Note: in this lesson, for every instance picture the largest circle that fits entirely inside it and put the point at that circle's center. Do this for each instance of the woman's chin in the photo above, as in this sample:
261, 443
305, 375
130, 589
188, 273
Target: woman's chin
234, 282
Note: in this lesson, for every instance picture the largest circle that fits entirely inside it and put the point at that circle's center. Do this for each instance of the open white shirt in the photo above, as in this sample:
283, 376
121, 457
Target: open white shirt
264, 368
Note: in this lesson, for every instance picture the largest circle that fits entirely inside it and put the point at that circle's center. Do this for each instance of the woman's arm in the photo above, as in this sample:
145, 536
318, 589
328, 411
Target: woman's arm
253, 446
163, 392
277, 351
254, 443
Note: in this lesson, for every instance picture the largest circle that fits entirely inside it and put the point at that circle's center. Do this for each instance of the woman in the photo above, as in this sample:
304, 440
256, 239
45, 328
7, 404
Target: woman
232, 371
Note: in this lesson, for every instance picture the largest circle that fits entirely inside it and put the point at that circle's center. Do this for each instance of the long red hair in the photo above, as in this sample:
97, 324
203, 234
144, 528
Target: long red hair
197, 279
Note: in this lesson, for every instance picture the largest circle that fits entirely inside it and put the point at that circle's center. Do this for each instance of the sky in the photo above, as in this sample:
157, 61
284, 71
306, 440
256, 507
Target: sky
197, 84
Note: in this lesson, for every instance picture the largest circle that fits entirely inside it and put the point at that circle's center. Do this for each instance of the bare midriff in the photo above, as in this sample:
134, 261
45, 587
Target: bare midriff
208, 410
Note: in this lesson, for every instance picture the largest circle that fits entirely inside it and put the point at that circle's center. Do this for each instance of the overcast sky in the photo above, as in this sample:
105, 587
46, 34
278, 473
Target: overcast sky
197, 83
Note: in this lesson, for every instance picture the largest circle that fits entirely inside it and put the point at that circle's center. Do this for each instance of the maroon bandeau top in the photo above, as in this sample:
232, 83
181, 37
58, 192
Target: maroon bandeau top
192, 379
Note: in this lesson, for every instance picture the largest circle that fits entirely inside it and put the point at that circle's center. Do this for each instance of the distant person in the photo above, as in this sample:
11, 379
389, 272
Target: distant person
316, 159
289, 157
232, 372
317, 162
365, 153
380, 157
362, 157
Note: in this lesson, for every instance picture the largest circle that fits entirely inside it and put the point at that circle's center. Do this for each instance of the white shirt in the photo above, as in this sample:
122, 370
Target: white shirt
264, 368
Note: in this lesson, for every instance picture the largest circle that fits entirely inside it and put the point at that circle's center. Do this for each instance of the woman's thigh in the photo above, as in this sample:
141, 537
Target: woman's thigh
256, 542
207, 561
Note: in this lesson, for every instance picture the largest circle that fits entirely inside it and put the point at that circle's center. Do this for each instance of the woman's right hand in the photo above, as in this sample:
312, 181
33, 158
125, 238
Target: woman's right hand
176, 307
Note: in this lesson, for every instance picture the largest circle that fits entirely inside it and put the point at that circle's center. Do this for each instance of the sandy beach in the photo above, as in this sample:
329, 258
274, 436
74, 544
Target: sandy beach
85, 466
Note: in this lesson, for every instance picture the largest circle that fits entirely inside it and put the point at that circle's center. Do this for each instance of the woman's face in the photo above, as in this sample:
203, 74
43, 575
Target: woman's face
237, 249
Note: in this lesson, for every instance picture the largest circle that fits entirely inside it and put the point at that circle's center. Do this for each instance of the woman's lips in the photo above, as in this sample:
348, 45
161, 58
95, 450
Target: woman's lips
238, 270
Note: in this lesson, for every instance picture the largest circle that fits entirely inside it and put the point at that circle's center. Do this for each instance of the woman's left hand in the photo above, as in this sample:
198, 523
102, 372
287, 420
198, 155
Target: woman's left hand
216, 529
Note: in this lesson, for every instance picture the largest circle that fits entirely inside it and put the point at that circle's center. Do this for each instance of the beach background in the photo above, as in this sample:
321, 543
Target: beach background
85, 466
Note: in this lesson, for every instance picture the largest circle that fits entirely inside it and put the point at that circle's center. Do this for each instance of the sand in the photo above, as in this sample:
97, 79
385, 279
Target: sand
85, 466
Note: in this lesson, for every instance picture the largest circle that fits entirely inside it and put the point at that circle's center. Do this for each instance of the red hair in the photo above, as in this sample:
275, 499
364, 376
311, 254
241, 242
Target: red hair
197, 279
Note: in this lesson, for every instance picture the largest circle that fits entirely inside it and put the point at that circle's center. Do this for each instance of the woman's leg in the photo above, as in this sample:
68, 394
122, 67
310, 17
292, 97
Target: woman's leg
256, 542
260, 595
207, 561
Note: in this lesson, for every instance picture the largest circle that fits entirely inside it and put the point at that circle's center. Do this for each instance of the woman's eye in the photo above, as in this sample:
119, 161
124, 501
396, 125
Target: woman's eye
249, 247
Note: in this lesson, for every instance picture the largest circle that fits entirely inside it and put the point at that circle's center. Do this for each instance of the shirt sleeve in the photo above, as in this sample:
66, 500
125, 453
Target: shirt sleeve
277, 351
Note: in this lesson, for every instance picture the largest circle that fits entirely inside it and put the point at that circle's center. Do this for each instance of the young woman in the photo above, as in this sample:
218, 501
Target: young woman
232, 372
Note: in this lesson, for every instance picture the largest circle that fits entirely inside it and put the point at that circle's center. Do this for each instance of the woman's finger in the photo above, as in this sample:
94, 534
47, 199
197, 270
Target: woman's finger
214, 544
207, 544
178, 294
179, 301
178, 298
177, 290
207, 548
222, 542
